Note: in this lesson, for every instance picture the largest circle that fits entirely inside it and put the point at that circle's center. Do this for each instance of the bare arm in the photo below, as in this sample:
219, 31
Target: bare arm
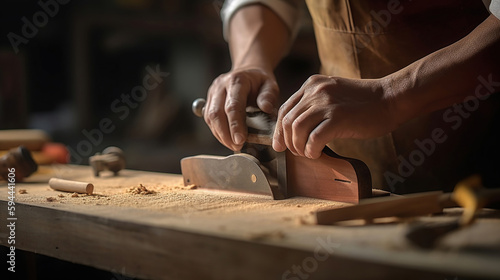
258, 39
325, 108
449, 75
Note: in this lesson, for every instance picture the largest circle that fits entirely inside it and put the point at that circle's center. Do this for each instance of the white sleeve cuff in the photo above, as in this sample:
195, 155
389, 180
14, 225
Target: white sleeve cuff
288, 12
495, 8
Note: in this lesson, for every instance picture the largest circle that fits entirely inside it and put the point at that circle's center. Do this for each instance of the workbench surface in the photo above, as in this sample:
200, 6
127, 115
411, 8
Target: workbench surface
181, 232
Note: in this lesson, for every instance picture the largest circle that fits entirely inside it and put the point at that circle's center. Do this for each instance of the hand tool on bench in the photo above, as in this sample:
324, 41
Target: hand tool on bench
258, 169
37, 142
465, 194
17, 161
468, 194
112, 159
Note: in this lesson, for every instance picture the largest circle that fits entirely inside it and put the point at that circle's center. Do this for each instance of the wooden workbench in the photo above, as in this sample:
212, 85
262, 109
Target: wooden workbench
186, 233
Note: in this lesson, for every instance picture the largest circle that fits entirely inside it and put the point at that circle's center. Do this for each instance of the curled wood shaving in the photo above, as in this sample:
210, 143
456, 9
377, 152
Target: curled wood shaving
22, 191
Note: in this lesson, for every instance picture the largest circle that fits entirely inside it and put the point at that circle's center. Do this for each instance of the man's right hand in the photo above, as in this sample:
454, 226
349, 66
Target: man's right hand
258, 38
228, 97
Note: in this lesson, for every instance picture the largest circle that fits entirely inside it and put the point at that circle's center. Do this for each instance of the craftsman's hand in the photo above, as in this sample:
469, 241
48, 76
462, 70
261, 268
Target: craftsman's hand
228, 97
325, 108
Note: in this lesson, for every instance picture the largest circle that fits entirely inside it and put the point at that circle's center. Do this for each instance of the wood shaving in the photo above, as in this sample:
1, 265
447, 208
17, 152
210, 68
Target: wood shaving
140, 190
75, 195
22, 191
51, 199
60, 195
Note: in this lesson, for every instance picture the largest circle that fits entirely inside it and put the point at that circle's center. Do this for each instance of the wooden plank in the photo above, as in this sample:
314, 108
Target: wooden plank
153, 252
178, 233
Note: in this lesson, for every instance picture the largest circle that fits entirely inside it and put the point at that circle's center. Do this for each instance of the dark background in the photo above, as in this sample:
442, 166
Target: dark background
65, 78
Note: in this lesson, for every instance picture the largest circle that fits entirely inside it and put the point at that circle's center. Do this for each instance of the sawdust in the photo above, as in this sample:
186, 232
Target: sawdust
167, 194
189, 187
179, 200
22, 191
140, 190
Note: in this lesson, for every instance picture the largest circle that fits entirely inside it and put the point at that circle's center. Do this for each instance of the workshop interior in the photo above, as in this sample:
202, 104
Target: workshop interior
80, 68
108, 171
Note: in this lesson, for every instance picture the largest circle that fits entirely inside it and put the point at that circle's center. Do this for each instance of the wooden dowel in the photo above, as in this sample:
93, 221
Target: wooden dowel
71, 186
260, 139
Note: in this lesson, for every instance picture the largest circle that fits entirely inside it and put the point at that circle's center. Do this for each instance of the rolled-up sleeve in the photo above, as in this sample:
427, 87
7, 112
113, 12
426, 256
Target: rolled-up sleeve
289, 11
495, 8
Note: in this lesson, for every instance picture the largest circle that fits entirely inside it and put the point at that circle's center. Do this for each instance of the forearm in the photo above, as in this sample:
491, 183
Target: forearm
258, 38
449, 75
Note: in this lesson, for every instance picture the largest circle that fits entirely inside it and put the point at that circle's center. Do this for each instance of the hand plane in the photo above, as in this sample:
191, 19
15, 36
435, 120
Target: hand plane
258, 169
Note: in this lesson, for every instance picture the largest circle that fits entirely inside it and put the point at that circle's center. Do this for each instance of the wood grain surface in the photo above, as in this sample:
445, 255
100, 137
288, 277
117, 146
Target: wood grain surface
331, 177
178, 232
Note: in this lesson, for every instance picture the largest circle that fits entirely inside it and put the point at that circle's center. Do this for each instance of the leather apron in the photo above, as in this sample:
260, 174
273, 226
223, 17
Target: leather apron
374, 38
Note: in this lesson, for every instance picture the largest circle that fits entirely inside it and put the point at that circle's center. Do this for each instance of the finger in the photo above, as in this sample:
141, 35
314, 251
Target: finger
282, 121
208, 104
318, 138
290, 125
302, 126
216, 118
267, 99
235, 105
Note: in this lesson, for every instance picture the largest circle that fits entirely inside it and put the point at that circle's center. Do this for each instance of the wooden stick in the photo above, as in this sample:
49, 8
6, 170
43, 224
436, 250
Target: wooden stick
71, 186
261, 139
408, 206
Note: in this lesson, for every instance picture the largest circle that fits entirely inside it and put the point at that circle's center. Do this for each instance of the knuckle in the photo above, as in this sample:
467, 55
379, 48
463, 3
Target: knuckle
283, 108
213, 114
219, 80
314, 78
315, 138
287, 121
233, 106
235, 78
233, 125
296, 124
321, 88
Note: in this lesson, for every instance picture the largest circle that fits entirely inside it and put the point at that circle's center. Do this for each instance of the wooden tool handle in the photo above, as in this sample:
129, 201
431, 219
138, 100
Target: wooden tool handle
198, 108
32, 139
71, 186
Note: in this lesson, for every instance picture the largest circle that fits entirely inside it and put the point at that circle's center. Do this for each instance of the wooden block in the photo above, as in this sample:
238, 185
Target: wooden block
330, 177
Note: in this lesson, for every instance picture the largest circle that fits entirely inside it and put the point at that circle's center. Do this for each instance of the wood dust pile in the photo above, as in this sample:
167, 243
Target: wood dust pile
140, 190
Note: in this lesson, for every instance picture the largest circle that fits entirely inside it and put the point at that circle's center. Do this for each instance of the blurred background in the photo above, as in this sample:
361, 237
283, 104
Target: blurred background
69, 66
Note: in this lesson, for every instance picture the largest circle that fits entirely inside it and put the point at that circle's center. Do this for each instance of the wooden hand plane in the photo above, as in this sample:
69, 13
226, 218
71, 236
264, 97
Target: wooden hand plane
258, 169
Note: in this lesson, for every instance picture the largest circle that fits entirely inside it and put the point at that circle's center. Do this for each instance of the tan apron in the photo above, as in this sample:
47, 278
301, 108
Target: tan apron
372, 38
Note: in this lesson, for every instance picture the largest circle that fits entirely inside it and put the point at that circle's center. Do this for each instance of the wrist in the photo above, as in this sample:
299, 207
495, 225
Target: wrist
268, 69
398, 99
